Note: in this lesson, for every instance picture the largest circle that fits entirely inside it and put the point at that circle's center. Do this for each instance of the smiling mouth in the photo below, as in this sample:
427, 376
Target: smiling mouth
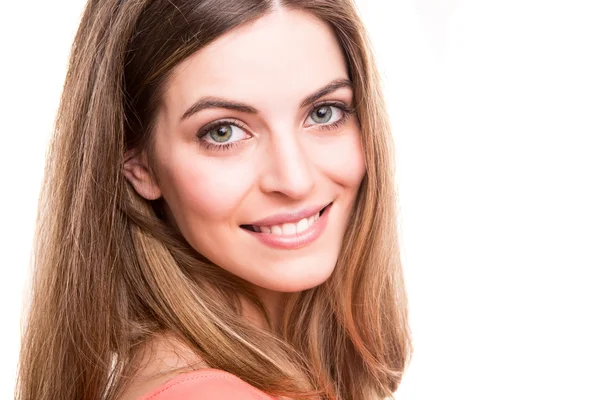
289, 228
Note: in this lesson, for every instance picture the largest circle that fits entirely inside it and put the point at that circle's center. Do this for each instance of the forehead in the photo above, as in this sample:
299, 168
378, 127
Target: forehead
277, 59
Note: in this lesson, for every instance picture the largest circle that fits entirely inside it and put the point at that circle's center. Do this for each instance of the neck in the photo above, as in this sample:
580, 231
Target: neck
274, 302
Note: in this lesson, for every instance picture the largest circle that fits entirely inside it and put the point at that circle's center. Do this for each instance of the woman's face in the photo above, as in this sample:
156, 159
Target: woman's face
254, 126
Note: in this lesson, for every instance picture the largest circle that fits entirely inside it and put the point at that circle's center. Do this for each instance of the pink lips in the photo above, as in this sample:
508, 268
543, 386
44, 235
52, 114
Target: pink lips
297, 240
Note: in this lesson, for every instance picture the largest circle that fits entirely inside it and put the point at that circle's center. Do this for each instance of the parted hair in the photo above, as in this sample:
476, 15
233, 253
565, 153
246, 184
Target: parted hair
109, 272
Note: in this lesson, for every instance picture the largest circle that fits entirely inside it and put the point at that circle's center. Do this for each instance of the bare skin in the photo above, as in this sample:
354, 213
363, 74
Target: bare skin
284, 158
160, 359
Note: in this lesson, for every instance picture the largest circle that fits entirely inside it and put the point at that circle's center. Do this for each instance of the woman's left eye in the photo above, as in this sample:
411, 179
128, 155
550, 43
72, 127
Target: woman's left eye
326, 115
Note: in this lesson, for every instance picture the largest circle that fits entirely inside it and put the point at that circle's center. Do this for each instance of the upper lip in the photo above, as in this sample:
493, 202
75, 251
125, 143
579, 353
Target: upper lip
289, 216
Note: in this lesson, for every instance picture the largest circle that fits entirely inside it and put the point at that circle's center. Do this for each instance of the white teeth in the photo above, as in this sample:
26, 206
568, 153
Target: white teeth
288, 228
302, 225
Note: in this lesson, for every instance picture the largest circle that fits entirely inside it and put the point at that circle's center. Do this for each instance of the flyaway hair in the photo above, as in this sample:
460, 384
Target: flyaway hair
110, 274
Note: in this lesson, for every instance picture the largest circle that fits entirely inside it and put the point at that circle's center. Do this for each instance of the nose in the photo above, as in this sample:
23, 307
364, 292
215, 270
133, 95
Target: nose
289, 168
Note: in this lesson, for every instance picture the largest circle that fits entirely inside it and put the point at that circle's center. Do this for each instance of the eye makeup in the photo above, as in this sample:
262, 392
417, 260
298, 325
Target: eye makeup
205, 131
345, 110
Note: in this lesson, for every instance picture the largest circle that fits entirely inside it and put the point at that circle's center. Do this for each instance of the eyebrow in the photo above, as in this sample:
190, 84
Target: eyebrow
214, 102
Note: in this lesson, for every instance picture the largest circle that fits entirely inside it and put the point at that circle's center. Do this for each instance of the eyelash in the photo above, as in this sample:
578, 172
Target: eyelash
346, 112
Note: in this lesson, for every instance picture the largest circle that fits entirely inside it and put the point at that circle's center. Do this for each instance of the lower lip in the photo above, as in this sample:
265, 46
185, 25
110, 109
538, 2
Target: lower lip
296, 241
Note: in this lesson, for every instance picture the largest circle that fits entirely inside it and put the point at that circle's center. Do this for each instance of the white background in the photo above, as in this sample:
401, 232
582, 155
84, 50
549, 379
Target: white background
495, 107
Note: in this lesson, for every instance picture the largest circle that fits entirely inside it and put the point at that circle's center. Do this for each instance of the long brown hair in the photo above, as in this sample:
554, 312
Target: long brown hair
109, 273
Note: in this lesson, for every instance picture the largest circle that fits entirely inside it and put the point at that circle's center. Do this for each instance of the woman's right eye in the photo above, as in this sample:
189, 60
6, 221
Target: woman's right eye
222, 135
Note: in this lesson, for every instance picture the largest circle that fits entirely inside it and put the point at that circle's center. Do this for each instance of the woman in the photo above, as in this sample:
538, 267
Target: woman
218, 214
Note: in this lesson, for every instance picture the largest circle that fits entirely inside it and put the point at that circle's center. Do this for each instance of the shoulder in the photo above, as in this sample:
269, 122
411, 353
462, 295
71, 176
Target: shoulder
209, 384
162, 372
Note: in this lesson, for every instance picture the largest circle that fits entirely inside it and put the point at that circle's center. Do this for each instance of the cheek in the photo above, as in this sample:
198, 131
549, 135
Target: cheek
205, 189
343, 159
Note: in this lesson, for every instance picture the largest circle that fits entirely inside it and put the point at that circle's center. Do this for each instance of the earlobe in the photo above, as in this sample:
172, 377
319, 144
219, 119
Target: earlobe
136, 171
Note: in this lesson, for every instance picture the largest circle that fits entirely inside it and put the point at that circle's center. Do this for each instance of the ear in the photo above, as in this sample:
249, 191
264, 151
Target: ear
138, 174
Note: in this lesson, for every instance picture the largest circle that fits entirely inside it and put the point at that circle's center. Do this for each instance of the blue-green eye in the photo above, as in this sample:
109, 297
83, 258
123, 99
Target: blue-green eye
325, 115
222, 135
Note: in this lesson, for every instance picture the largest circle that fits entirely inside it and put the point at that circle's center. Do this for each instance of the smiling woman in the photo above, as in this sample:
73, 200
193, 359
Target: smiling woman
218, 214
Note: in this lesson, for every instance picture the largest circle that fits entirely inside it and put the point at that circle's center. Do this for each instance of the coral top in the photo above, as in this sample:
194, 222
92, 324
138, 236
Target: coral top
208, 384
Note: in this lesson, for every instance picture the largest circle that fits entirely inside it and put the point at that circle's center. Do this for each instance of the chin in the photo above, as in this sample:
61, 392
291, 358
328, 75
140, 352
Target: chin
303, 281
